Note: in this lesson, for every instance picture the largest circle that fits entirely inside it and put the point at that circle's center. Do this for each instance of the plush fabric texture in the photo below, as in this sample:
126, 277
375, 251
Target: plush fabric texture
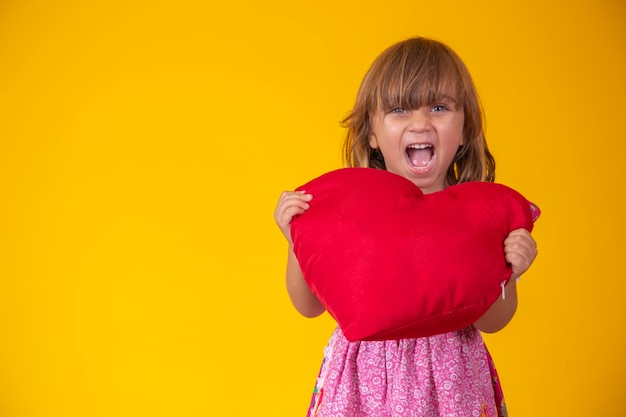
389, 262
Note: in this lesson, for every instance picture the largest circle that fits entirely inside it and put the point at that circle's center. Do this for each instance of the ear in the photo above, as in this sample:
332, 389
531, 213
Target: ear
373, 141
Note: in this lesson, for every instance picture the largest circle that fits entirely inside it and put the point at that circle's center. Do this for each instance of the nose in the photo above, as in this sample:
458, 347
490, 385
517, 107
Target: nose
419, 120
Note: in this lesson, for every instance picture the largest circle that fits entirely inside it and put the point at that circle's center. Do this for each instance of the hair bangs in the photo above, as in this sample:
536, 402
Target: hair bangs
403, 84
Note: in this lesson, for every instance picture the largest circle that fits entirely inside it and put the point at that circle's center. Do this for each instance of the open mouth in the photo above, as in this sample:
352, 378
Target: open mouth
420, 155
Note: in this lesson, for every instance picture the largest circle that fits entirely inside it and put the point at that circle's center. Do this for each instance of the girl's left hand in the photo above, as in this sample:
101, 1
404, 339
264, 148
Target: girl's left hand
520, 250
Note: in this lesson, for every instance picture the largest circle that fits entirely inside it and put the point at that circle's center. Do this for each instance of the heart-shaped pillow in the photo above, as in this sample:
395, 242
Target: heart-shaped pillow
389, 262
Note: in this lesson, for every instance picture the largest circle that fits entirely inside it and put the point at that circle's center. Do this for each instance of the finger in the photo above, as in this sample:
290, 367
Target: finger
286, 195
519, 234
290, 205
516, 258
288, 202
289, 198
522, 246
520, 239
520, 260
520, 256
519, 263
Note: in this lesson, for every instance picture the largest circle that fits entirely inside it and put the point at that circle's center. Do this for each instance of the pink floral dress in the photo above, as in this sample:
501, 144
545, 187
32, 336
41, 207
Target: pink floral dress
450, 374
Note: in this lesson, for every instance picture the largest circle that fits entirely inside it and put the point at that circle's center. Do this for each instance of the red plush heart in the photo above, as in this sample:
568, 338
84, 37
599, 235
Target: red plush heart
389, 262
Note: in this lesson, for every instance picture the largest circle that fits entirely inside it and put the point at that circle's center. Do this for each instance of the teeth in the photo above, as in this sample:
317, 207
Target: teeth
420, 146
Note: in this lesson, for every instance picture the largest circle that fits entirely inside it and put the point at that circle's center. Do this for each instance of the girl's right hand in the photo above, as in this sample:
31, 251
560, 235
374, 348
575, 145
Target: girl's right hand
290, 204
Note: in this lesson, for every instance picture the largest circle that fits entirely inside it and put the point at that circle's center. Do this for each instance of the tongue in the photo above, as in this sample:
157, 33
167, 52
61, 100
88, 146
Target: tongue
420, 157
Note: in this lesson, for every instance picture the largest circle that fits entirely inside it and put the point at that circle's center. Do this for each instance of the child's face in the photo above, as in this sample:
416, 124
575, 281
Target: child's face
420, 144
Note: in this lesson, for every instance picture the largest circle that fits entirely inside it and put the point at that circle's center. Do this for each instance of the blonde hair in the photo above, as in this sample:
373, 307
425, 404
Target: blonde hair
411, 74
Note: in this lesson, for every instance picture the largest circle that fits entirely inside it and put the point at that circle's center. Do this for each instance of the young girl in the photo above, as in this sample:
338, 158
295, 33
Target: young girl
416, 114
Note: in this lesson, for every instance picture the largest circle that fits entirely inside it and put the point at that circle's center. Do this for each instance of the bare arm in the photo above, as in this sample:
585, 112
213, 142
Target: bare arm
301, 296
501, 312
520, 251
292, 203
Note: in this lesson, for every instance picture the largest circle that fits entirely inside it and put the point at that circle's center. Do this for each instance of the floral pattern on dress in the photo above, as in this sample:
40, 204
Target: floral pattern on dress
445, 375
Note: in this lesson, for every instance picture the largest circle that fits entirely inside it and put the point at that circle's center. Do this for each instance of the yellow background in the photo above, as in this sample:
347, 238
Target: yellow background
143, 145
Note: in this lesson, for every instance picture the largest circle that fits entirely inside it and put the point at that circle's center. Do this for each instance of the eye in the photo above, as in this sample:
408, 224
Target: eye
398, 110
439, 108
